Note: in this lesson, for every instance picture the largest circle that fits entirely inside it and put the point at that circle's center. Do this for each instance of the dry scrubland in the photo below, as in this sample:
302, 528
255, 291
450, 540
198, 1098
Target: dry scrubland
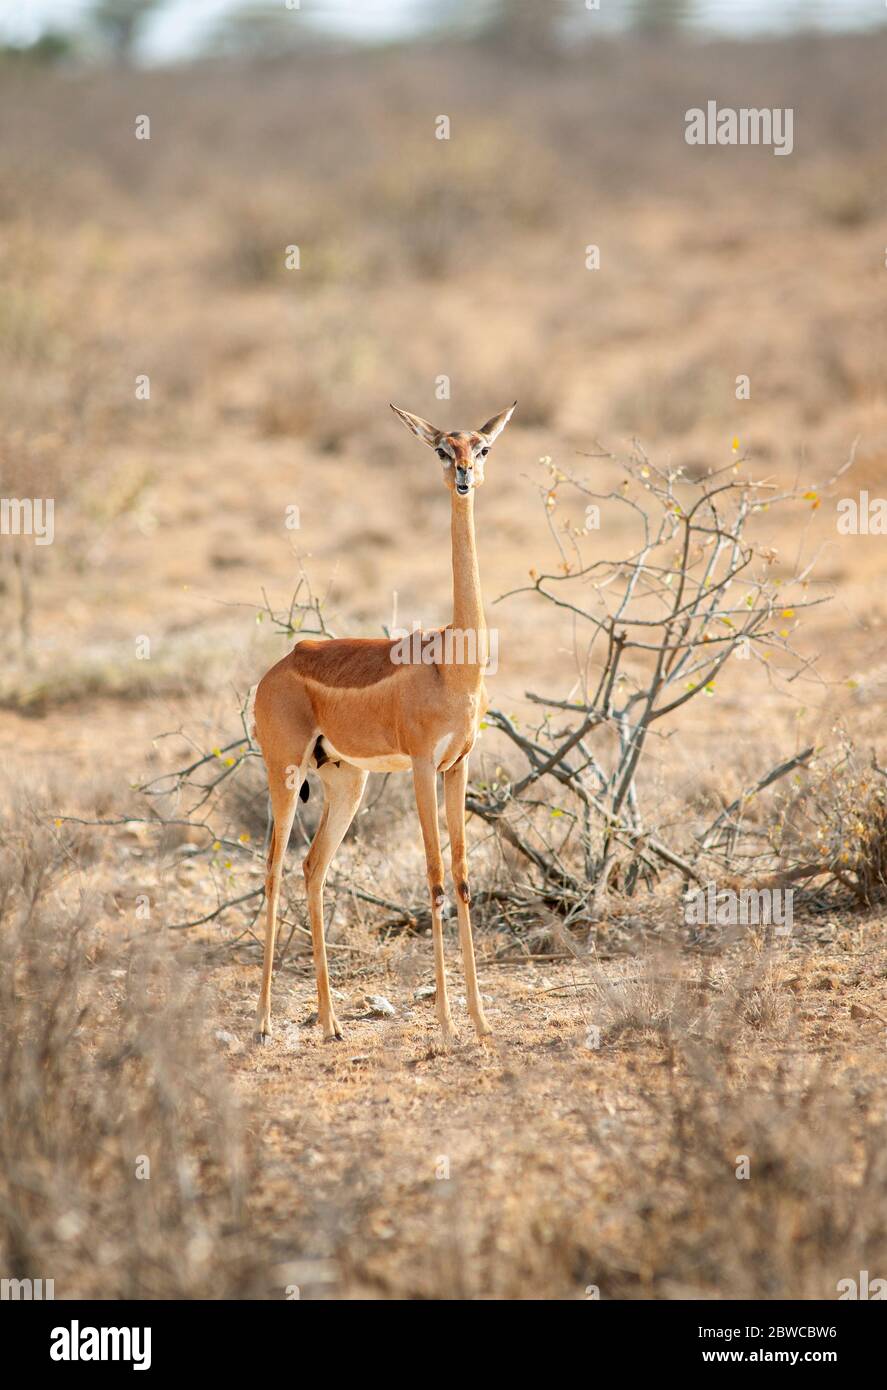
326, 1166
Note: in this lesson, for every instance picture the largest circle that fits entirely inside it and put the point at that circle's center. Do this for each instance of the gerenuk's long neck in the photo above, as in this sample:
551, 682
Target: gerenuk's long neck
468, 609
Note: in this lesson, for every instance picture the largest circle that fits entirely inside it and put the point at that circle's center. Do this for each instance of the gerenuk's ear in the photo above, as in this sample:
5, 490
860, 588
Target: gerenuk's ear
421, 428
493, 428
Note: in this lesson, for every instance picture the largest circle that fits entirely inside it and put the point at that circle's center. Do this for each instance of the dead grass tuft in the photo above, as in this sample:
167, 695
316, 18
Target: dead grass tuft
122, 1156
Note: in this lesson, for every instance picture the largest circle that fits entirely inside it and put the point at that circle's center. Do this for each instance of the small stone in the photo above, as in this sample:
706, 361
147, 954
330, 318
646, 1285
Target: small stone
380, 1006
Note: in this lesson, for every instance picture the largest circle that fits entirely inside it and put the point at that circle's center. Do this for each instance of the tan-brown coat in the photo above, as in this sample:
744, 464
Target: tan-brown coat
349, 706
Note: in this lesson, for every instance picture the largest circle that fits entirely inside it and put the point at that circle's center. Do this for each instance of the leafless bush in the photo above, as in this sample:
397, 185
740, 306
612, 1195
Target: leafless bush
830, 836
653, 631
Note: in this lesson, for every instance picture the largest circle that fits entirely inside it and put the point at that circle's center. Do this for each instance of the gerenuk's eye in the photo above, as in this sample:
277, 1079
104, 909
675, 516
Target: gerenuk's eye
483, 452
442, 454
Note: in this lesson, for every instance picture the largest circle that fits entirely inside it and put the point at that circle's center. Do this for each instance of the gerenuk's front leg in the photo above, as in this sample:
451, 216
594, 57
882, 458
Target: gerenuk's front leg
455, 783
425, 783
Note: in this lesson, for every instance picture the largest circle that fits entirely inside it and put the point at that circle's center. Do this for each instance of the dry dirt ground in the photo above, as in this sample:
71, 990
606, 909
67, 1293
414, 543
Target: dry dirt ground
489, 1172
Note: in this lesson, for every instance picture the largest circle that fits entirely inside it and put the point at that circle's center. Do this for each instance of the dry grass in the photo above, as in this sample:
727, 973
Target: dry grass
594, 1145
124, 1161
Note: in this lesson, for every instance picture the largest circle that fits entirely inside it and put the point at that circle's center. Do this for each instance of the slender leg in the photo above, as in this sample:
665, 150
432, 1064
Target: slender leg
343, 787
283, 805
455, 783
425, 784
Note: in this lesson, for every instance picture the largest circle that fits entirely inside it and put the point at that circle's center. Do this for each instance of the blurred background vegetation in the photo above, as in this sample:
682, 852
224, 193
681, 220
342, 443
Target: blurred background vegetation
421, 259
127, 30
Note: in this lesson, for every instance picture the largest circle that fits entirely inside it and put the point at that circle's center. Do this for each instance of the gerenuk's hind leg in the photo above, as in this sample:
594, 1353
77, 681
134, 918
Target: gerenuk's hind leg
343, 787
283, 803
